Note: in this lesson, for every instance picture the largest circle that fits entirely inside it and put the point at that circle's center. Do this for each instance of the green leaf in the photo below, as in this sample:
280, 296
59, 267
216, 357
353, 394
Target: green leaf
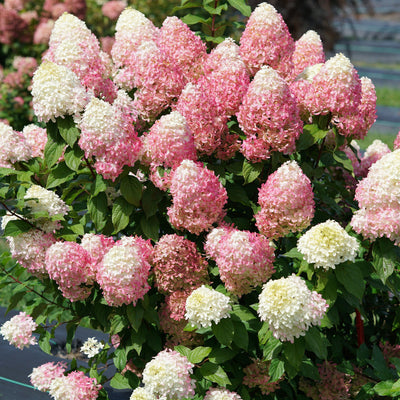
190, 19
309, 370
317, 343
131, 189
59, 175
341, 158
224, 331
385, 258
217, 10
219, 356
240, 337
388, 388
293, 253
237, 194
350, 276
135, 316
215, 373
150, 200
119, 382
198, 354
44, 342
311, 134
71, 329
14, 300
118, 323
55, 145
68, 130
16, 227
97, 207
251, 171
120, 214
276, 369
272, 348
73, 157
150, 227
185, 351
241, 6
243, 313
99, 185
294, 352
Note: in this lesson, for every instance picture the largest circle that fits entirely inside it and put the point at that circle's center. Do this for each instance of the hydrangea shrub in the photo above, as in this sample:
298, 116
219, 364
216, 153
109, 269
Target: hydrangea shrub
202, 201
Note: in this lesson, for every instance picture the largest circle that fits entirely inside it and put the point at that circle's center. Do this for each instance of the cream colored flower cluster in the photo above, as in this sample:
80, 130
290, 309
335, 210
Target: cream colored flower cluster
205, 306
290, 308
327, 245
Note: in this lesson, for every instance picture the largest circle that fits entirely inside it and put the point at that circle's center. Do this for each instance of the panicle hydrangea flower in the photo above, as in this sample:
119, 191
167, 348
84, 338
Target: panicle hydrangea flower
57, 92
167, 144
29, 249
113, 9
257, 375
335, 89
172, 321
290, 308
208, 125
13, 146
378, 196
36, 138
266, 41
211, 246
245, 260
177, 264
131, 30
182, 46
42, 376
205, 306
327, 245
396, 144
18, 331
221, 394
333, 384
43, 32
108, 134
69, 264
358, 124
74, 46
74, 386
167, 376
41, 200
198, 198
225, 52
141, 393
374, 152
92, 347
97, 245
286, 200
268, 116
159, 82
124, 271
308, 51
227, 85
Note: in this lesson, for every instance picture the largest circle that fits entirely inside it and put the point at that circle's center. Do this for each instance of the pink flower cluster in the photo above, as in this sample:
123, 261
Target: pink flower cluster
177, 265
269, 116
198, 198
23, 69
74, 386
287, 202
396, 144
112, 9
36, 138
124, 270
13, 146
108, 134
12, 26
378, 196
69, 264
42, 376
266, 41
333, 385
244, 259
18, 330
257, 375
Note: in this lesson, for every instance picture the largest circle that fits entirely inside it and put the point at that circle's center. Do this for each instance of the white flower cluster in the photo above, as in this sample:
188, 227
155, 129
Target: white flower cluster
141, 393
328, 244
56, 92
40, 200
205, 306
167, 376
18, 330
92, 347
290, 308
221, 394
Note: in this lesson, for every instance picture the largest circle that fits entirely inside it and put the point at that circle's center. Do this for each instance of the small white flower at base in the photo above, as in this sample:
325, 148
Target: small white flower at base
221, 394
141, 393
328, 244
205, 306
92, 347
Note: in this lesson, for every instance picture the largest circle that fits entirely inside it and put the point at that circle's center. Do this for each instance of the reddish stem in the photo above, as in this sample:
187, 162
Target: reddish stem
360, 329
